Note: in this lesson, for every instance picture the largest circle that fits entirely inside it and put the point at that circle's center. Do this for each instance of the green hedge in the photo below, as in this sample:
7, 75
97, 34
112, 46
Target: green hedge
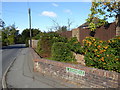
46, 41
115, 43
61, 52
101, 54
74, 45
27, 42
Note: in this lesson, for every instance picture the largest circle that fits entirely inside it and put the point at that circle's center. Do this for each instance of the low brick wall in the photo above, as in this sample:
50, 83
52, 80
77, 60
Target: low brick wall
34, 43
92, 78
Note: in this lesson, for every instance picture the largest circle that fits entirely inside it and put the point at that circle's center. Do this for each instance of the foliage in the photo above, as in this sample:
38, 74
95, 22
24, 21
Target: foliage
38, 49
61, 52
11, 40
9, 35
62, 29
100, 54
26, 34
26, 42
35, 32
115, 43
4, 37
37, 36
104, 10
46, 41
19, 39
74, 45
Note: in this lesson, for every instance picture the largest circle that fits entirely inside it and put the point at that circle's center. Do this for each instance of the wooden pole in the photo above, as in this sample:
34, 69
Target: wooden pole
29, 12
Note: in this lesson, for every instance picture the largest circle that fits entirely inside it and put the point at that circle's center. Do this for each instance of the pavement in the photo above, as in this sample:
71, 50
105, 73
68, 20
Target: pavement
21, 74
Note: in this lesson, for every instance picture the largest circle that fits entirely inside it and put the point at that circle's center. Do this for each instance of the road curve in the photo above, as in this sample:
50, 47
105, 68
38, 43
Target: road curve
8, 54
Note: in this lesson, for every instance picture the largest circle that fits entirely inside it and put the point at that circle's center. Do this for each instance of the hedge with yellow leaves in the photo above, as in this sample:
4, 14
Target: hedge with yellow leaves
102, 54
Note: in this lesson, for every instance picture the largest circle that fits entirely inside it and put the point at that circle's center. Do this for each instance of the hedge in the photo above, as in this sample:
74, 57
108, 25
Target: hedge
74, 45
61, 52
101, 54
46, 41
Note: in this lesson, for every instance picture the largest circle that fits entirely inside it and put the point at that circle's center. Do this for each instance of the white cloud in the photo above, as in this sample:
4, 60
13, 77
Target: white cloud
68, 11
54, 4
49, 14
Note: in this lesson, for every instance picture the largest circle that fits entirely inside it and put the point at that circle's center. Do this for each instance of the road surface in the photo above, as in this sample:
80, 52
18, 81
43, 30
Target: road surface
7, 55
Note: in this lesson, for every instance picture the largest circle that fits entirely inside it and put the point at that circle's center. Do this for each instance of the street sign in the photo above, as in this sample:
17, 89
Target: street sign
75, 71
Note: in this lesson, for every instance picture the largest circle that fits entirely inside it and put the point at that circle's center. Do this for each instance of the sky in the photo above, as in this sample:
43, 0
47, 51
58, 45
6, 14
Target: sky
43, 13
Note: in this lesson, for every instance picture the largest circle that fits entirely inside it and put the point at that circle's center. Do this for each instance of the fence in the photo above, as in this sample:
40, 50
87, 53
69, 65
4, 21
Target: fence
67, 34
103, 33
34, 43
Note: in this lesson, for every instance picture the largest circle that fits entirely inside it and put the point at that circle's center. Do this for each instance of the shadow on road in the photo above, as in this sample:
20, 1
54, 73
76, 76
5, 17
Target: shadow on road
16, 46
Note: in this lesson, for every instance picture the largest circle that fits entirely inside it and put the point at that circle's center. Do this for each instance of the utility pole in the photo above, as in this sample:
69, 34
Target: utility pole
29, 12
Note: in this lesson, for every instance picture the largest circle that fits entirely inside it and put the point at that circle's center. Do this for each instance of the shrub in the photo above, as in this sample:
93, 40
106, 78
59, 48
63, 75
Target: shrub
37, 36
46, 41
44, 46
100, 54
74, 45
26, 42
38, 49
11, 40
4, 38
115, 43
61, 52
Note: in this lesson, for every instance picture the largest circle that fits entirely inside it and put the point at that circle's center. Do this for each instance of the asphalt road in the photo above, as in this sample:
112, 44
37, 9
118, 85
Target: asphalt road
7, 55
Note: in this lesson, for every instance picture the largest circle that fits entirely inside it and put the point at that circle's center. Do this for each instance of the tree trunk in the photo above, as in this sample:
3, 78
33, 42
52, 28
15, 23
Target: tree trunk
118, 25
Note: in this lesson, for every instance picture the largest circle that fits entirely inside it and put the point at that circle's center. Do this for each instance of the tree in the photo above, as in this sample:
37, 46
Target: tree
69, 22
4, 38
58, 28
26, 34
19, 39
62, 29
35, 32
104, 10
9, 34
